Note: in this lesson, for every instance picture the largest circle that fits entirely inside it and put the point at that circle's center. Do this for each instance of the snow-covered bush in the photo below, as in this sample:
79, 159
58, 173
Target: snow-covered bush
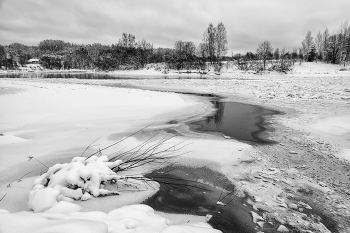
81, 179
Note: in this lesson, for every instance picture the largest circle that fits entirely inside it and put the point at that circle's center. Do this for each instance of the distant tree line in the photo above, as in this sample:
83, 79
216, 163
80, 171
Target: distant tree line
128, 53
266, 57
333, 48
57, 54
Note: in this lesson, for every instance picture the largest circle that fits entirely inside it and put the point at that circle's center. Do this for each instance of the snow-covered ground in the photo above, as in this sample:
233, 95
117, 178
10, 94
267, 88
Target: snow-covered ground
313, 135
48, 121
133, 218
49, 124
304, 172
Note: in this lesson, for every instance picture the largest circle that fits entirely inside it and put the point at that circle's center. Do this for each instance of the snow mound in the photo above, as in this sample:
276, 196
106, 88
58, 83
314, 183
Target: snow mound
82, 179
128, 219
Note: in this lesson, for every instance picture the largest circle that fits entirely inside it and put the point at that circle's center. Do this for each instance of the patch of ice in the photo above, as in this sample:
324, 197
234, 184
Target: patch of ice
256, 217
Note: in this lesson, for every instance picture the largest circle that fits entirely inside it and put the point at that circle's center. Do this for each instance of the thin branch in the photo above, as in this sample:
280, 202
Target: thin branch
240, 187
20, 179
89, 146
222, 191
3, 197
120, 140
32, 157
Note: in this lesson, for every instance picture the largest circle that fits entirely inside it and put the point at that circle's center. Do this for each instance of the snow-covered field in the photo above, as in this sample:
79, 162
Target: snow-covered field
291, 183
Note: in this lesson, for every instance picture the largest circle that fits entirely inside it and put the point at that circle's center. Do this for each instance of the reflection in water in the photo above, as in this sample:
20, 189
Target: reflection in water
237, 120
57, 75
91, 75
217, 117
65, 75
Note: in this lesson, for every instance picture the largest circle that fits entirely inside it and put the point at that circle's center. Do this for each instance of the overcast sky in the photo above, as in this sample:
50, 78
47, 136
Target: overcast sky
248, 22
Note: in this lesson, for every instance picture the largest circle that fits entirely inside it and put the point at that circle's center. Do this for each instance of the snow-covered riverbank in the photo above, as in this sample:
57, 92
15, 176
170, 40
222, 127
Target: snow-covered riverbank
50, 124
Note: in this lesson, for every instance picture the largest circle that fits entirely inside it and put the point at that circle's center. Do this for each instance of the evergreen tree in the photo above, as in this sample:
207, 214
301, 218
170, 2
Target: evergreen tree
250, 56
334, 48
300, 54
319, 45
312, 53
276, 54
295, 54
347, 48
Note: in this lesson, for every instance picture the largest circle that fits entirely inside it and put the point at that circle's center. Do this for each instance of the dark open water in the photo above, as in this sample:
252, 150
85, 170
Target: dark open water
237, 120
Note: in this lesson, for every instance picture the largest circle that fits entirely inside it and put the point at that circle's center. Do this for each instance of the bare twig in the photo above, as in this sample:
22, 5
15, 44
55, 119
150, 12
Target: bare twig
32, 157
20, 179
89, 146
222, 191
3, 197
120, 141
151, 151
240, 187
9, 185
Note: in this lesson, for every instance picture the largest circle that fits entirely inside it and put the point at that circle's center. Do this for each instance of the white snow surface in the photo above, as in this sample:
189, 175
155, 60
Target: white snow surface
133, 218
84, 178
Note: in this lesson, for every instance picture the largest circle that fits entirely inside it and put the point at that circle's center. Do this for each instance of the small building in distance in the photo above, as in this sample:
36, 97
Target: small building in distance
34, 65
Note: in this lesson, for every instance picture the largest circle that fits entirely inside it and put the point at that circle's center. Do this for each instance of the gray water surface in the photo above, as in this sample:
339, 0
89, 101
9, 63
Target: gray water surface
237, 120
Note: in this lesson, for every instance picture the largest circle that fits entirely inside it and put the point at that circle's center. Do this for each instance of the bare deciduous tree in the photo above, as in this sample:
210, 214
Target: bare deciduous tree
127, 40
264, 51
325, 40
184, 52
209, 40
221, 41
202, 51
